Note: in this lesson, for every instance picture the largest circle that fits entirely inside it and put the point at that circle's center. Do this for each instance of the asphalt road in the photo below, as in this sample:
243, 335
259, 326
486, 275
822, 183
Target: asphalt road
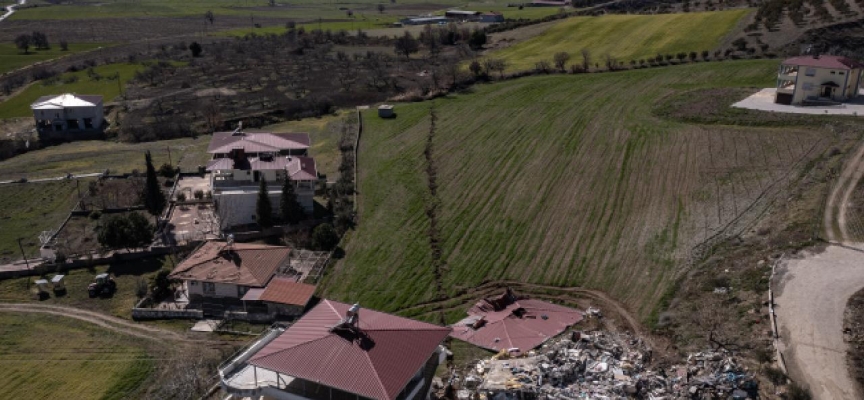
810, 296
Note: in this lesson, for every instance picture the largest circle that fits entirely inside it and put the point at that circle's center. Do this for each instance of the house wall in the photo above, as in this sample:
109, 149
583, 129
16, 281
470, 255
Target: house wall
238, 207
809, 87
77, 113
285, 309
196, 289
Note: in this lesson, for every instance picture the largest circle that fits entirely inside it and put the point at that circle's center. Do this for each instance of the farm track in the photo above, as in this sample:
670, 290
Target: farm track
112, 323
837, 206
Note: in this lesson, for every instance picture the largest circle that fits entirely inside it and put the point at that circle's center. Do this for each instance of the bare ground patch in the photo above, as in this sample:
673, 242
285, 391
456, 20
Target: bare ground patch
853, 329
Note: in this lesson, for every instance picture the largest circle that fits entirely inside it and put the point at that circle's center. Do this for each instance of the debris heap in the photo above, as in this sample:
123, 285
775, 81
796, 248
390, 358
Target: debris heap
603, 365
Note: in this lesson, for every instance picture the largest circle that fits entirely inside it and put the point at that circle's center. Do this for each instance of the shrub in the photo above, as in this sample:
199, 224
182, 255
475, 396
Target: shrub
94, 215
181, 196
167, 171
199, 194
324, 237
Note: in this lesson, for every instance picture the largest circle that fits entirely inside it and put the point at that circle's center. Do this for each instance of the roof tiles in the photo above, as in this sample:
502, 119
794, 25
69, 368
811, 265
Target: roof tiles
242, 264
287, 291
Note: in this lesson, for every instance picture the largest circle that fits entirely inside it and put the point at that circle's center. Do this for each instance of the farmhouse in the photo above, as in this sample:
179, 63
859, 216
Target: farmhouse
818, 80
241, 160
508, 322
340, 352
68, 116
224, 273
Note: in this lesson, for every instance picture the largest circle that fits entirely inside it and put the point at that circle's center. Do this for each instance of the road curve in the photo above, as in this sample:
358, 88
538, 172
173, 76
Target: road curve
10, 9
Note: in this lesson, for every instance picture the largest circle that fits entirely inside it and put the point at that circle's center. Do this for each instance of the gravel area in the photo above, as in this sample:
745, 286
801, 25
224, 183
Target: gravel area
763, 100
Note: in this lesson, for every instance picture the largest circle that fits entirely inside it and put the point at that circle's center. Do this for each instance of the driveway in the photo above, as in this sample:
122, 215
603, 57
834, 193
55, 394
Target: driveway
763, 100
810, 297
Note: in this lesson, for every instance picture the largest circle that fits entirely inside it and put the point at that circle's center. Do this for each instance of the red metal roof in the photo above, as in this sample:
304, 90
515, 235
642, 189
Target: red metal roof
376, 361
224, 142
833, 62
508, 322
287, 291
243, 264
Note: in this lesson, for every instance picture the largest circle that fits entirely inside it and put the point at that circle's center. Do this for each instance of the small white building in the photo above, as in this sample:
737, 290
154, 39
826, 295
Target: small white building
818, 79
241, 160
68, 116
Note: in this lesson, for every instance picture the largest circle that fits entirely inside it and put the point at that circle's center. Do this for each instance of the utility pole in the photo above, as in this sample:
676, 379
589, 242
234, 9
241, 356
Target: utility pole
169, 156
78, 187
25, 261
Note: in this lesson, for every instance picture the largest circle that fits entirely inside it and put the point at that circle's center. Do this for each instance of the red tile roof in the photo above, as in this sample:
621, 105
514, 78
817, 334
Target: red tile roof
243, 264
287, 291
377, 361
299, 167
224, 142
508, 322
833, 62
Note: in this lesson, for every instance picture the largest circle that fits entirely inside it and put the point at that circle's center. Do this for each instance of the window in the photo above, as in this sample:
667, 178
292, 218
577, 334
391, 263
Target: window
841, 73
810, 72
808, 86
833, 73
209, 288
193, 283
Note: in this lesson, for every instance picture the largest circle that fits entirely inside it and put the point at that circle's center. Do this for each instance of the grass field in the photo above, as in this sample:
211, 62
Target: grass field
44, 356
625, 37
97, 156
11, 58
71, 82
28, 209
561, 180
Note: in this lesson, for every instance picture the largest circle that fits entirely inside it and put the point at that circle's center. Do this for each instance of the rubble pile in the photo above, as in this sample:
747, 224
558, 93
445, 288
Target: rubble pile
603, 365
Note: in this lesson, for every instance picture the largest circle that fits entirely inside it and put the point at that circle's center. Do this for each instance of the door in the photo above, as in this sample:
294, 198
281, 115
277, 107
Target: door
827, 91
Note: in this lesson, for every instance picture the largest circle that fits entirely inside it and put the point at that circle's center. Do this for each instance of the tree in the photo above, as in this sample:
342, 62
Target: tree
477, 40
350, 13
64, 45
22, 42
324, 237
291, 210
586, 60
167, 171
476, 68
125, 231
208, 16
561, 59
196, 49
154, 199
381, 8
406, 45
263, 208
40, 41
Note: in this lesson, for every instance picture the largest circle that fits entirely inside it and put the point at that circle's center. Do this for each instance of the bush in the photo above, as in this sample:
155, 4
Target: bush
140, 288
199, 194
167, 171
324, 237
96, 214
181, 196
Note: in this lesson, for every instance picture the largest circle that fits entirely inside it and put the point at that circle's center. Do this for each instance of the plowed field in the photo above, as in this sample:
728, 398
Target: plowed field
563, 180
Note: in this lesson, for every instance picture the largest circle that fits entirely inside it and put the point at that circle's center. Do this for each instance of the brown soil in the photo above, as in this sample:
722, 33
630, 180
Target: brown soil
853, 329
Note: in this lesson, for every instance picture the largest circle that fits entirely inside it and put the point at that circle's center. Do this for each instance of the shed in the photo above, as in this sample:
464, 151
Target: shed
386, 111
57, 283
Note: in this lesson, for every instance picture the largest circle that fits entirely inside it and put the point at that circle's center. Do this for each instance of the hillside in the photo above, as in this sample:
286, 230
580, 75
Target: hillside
561, 180
624, 37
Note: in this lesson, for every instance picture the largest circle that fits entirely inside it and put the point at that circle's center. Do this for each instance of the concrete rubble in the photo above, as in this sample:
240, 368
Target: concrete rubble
603, 365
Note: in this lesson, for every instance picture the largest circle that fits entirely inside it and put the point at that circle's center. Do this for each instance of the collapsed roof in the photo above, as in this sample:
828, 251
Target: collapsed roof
510, 322
239, 263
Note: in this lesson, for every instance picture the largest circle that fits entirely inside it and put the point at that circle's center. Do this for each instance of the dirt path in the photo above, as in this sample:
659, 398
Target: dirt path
811, 295
105, 321
838, 201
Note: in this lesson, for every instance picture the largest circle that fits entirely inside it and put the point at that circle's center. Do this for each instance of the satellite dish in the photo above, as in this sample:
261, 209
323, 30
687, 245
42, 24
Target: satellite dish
230, 239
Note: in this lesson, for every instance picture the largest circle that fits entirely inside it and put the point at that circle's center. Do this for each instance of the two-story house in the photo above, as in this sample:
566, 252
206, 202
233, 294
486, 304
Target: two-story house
818, 79
339, 352
68, 116
241, 160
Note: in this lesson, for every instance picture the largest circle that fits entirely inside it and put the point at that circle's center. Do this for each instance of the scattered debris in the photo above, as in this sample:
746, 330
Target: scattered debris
604, 365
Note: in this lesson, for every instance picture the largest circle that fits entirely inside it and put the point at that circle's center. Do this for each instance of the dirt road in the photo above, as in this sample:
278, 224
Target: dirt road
105, 321
811, 295
837, 205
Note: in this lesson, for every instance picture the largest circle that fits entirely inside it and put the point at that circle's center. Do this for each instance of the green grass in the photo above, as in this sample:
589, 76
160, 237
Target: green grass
560, 180
46, 356
625, 37
11, 58
28, 209
120, 305
19, 105
97, 156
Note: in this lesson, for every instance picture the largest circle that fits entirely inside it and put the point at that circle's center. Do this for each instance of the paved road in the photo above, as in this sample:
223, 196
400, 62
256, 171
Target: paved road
10, 9
811, 295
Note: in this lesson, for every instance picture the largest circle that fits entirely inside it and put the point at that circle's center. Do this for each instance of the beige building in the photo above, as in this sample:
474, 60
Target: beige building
818, 80
68, 116
241, 160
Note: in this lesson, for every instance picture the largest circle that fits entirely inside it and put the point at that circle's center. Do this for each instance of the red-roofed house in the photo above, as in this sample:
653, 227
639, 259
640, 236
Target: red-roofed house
818, 79
340, 352
217, 271
508, 322
283, 296
241, 160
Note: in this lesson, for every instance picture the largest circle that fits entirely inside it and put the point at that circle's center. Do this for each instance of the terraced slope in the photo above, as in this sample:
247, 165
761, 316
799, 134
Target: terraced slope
625, 37
561, 180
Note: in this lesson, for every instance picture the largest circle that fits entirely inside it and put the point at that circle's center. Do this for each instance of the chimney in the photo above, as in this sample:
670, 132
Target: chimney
352, 316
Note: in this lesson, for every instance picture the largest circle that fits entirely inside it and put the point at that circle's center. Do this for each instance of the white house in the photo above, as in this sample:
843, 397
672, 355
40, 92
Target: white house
224, 273
68, 116
818, 79
241, 160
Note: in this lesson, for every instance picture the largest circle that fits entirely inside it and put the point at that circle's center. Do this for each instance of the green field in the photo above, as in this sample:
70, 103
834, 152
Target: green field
71, 82
97, 156
27, 210
557, 180
625, 37
46, 356
11, 58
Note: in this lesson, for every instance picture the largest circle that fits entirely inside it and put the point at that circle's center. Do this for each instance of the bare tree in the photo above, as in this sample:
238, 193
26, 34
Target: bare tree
561, 59
586, 60
381, 8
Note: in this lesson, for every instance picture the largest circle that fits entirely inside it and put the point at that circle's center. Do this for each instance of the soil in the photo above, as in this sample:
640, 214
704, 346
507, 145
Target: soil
853, 330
